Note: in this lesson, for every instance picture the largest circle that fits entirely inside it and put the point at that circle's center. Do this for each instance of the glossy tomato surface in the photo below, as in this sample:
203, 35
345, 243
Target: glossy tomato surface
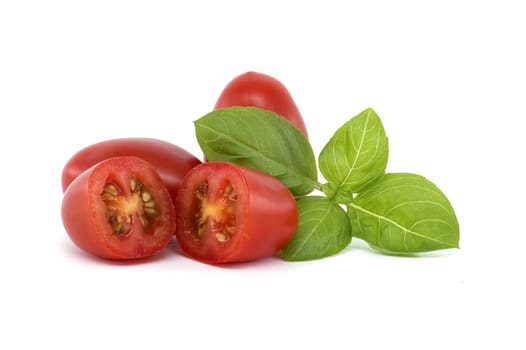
170, 161
119, 209
262, 91
228, 213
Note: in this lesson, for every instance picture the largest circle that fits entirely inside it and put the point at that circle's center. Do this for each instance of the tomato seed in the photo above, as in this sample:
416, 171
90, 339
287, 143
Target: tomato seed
201, 191
107, 196
146, 196
229, 193
144, 221
135, 185
114, 220
200, 228
151, 211
111, 189
221, 237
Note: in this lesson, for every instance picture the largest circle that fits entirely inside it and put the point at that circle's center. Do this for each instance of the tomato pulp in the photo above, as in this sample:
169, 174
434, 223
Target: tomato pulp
229, 213
170, 161
262, 91
119, 209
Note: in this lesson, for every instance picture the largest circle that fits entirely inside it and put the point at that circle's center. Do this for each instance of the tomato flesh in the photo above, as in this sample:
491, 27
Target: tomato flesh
119, 209
228, 213
217, 214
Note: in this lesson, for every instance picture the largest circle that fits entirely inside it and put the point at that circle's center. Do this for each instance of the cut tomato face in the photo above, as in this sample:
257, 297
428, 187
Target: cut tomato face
119, 209
228, 213
262, 91
171, 162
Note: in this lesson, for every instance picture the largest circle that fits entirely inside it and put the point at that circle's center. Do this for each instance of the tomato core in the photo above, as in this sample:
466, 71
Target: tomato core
215, 214
122, 209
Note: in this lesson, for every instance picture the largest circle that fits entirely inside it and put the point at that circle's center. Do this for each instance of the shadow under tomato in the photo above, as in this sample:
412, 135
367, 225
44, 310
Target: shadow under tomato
269, 261
175, 249
69, 248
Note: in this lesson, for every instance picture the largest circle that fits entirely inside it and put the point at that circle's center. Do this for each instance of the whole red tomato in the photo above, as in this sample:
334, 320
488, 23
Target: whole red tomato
262, 91
170, 161
119, 209
229, 213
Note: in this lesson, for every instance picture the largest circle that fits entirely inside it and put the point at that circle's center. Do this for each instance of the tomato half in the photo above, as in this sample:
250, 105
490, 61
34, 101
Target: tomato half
170, 161
119, 209
228, 213
262, 91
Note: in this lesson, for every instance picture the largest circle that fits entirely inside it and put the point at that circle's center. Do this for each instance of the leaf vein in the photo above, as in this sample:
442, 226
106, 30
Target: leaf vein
396, 224
309, 235
265, 156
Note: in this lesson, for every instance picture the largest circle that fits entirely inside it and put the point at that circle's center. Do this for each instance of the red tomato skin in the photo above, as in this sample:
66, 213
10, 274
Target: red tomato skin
266, 215
262, 91
84, 212
170, 161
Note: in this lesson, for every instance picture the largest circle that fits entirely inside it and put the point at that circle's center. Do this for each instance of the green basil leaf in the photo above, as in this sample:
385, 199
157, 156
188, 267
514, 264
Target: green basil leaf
323, 230
355, 156
262, 140
404, 213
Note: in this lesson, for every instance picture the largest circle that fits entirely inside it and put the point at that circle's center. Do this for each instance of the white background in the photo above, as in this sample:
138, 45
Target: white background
447, 78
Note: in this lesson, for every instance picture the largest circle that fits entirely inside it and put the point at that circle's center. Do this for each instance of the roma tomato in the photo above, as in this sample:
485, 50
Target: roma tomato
228, 213
119, 209
170, 161
262, 91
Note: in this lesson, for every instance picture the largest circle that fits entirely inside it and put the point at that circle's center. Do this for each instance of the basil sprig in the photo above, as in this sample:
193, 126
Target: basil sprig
397, 213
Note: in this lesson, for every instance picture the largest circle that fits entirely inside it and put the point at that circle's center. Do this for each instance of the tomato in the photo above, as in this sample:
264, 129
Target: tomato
229, 213
119, 209
170, 161
262, 91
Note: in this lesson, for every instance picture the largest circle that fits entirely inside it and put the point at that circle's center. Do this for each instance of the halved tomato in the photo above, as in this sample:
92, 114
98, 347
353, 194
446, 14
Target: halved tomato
119, 209
229, 213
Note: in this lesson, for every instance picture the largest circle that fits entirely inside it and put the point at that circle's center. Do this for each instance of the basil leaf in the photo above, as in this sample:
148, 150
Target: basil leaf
404, 213
355, 156
323, 230
262, 140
